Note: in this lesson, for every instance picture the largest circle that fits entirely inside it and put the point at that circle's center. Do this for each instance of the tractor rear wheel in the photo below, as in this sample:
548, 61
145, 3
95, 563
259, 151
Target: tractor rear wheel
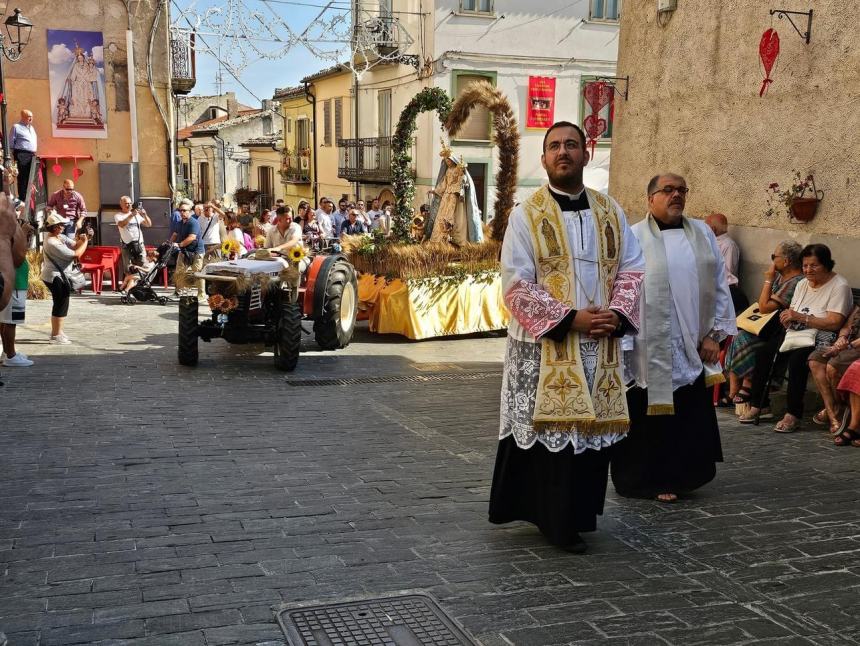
187, 349
288, 337
333, 329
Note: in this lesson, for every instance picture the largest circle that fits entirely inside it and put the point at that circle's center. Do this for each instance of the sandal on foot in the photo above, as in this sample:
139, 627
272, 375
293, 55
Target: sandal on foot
821, 418
667, 497
843, 419
741, 397
847, 438
750, 417
786, 427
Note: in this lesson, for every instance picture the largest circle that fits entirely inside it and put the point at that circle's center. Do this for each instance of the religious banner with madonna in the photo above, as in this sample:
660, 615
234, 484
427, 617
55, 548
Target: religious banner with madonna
540, 105
77, 77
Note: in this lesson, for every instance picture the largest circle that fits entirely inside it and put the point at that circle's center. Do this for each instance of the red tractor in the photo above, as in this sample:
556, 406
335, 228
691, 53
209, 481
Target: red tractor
265, 301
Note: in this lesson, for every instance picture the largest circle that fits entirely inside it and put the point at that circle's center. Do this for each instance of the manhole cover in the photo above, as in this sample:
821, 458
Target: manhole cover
413, 620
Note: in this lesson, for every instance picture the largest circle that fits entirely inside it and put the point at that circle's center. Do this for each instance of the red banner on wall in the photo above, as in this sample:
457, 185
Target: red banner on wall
540, 104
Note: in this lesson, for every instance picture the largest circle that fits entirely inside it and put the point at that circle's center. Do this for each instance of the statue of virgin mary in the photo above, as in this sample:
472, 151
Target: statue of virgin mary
80, 91
454, 213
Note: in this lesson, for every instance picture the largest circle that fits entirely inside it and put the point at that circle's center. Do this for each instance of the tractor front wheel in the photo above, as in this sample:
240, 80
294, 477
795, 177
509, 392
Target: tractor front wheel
333, 329
288, 338
187, 348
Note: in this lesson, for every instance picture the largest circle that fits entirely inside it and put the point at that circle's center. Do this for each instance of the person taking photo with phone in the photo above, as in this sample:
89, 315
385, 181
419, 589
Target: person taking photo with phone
129, 221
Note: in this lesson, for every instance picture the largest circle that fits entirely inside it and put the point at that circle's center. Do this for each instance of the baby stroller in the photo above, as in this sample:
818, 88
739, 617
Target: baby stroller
142, 291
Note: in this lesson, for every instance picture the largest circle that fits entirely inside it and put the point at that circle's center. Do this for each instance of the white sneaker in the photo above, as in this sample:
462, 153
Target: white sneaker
61, 339
17, 361
17, 354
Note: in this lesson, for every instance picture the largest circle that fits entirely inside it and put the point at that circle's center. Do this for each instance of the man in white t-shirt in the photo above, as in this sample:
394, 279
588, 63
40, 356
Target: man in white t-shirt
374, 213
286, 234
324, 220
210, 230
129, 221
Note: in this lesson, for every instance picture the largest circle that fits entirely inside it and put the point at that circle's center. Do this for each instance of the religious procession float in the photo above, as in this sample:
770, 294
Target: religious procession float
440, 277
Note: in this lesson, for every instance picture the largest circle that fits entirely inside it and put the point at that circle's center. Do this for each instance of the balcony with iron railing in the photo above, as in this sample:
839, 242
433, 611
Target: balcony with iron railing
183, 75
366, 160
295, 168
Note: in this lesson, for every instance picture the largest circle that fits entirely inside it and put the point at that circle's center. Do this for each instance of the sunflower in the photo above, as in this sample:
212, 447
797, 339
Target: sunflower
260, 241
297, 253
230, 246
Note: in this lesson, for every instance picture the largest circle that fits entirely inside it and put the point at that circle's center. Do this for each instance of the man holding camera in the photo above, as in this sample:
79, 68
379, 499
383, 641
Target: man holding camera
129, 221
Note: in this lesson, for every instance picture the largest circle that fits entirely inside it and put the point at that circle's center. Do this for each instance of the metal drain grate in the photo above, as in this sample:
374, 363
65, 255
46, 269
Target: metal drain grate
449, 376
413, 620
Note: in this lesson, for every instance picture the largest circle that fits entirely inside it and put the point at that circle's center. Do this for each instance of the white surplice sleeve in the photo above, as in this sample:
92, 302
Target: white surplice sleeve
725, 319
534, 311
625, 298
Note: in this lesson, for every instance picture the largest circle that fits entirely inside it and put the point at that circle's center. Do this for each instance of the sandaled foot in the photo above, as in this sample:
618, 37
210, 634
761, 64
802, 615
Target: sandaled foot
821, 418
667, 497
843, 418
741, 397
786, 426
848, 437
749, 417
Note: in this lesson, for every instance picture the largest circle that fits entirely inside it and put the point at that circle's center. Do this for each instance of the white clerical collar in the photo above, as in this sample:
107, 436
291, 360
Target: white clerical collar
573, 196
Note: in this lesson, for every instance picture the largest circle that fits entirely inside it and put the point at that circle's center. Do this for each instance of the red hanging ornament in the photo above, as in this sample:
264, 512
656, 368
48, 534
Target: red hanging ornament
768, 52
57, 168
598, 94
76, 173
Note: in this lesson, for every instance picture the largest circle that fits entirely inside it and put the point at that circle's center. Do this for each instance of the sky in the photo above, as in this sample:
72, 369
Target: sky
260, 78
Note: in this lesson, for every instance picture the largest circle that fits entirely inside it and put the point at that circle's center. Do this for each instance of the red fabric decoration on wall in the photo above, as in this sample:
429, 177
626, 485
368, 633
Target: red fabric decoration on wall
57, 168
768, 52
598, 94
76, 173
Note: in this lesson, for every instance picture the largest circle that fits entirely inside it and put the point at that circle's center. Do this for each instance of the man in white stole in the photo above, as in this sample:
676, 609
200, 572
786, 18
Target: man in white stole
571, 271
674, 440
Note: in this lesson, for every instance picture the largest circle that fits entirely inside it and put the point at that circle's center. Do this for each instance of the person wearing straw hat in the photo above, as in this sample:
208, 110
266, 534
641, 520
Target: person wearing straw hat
60, 251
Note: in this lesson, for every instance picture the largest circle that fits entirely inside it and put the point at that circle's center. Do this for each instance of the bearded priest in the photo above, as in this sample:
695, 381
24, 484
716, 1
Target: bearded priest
571, 272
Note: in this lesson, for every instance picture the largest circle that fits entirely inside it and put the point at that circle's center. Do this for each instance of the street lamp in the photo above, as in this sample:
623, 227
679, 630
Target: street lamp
18, 28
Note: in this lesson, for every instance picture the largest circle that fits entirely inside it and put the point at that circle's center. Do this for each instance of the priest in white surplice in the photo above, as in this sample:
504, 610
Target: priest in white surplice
571, 272
674, 442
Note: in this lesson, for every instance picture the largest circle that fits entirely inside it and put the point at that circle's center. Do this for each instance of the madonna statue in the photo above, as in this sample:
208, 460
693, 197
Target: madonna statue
454, 213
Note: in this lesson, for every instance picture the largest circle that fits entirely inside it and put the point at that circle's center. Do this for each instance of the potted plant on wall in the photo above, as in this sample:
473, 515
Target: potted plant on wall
801, 198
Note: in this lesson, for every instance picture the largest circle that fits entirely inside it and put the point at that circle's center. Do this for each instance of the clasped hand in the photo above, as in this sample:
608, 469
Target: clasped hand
596, 322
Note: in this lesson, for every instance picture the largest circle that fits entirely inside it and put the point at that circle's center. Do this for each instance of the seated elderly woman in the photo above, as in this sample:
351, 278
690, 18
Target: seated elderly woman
780, 280
820, 305
849, 386
828, 365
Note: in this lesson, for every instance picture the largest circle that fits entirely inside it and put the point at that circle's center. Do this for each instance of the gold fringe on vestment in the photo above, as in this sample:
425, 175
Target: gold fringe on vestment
661, 409
585, 428
714, 379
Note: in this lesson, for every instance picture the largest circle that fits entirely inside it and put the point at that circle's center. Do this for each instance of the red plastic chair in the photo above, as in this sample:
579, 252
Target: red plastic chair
722, 360
164, 277
96, 261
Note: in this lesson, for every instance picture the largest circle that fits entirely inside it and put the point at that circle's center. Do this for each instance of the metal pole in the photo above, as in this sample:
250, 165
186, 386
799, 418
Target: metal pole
7, 157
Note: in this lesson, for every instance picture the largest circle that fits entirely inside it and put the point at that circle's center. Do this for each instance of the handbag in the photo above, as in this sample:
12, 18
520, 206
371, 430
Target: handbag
73, 278
797, 339
753, 321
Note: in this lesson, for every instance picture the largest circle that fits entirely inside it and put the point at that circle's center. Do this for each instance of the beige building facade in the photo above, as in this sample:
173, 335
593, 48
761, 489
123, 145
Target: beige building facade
137, 90
694, 108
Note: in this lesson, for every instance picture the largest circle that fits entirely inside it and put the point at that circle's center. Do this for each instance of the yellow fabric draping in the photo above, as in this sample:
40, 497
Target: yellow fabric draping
423, 311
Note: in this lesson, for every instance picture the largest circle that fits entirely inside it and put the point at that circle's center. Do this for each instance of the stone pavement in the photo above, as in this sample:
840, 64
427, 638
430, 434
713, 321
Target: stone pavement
146, 503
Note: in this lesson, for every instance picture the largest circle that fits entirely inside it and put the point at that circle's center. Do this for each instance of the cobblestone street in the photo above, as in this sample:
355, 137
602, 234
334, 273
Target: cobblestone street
147, 503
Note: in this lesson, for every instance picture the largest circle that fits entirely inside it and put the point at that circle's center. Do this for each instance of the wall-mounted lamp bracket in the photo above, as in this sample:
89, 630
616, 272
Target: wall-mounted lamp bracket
614, 81
782, 13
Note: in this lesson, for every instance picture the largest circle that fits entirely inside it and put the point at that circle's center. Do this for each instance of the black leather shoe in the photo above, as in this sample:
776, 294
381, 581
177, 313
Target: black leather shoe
576, 545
